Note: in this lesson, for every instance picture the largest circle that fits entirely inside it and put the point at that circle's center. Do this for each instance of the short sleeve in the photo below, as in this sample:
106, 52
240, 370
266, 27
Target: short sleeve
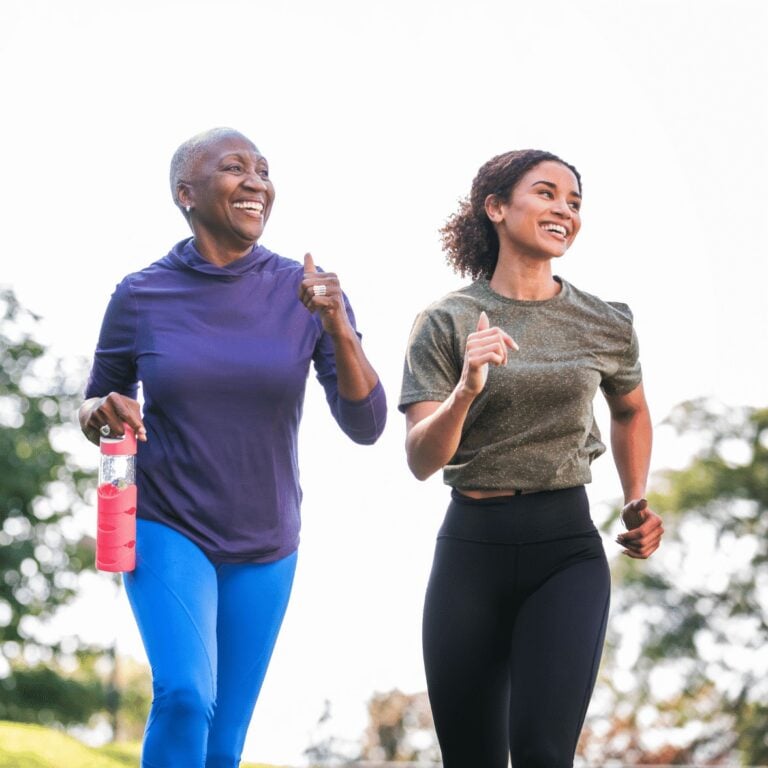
628, 373
431, 368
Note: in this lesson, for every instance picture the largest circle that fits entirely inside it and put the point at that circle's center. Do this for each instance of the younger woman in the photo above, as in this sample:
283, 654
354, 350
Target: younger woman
497, 390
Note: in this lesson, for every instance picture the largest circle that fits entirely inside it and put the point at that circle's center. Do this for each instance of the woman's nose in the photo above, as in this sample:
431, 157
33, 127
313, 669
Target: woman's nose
561, 207
255, 181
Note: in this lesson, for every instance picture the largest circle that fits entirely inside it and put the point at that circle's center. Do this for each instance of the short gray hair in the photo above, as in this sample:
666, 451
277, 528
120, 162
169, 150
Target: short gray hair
185, 157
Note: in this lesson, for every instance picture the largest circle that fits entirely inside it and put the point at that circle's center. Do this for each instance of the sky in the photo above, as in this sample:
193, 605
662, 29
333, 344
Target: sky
375, 118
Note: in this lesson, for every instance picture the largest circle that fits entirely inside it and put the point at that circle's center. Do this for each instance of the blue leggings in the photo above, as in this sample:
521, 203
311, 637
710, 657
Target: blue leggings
514, 622
208, 632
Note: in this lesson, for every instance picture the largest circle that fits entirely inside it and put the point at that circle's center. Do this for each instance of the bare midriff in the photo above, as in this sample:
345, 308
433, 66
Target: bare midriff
475, 494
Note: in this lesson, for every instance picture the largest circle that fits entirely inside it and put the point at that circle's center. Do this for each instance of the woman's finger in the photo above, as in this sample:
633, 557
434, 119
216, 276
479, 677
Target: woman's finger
113, 412
319, 289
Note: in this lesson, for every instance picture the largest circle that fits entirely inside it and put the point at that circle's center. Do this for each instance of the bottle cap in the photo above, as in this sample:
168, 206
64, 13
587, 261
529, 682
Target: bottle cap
119, 446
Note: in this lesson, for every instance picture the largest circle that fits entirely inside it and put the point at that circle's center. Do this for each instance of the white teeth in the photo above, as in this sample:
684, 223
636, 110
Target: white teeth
559, 228
250, 205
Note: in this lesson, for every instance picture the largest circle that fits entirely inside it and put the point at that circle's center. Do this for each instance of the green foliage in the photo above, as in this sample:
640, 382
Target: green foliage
41, 551
40, 485
130, 699
45, 695
697, 611
31, 746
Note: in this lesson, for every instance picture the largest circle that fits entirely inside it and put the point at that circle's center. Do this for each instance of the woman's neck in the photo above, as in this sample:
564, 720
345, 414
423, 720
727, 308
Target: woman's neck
218, 253
524, 280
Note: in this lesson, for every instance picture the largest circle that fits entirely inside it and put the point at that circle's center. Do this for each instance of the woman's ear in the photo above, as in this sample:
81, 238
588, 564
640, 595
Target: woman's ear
493, 210
184, 195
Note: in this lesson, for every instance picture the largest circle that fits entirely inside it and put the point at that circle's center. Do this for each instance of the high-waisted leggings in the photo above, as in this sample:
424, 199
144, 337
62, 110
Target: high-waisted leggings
514, 623
208, 631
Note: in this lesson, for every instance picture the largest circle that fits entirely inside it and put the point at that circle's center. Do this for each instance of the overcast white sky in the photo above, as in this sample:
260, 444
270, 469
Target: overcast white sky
375, 117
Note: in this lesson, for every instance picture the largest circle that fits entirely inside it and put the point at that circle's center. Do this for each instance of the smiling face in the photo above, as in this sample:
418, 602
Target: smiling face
541, 217
230, 197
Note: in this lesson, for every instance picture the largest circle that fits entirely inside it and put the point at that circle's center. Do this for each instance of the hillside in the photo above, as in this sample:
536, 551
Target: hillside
32, 746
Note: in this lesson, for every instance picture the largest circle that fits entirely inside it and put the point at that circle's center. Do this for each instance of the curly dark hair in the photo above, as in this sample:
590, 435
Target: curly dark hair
469, 238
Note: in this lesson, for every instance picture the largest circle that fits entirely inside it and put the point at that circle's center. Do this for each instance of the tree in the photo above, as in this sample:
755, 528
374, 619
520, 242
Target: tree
400, 728
686, 674
326, 749
41, 551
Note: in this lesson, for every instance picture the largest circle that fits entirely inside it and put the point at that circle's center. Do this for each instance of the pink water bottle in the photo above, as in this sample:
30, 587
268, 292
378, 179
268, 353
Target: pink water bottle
116, 511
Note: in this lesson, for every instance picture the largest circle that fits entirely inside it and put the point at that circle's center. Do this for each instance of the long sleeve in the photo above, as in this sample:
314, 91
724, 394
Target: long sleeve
114, 364
363, 420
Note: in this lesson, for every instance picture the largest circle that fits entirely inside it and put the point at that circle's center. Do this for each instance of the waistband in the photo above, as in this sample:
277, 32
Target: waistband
519, 519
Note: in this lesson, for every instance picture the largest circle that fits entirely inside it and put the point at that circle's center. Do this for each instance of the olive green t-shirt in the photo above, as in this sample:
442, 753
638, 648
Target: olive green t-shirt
533, 426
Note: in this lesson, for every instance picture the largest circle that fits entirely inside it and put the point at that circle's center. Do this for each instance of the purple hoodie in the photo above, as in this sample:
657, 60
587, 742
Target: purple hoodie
223, 356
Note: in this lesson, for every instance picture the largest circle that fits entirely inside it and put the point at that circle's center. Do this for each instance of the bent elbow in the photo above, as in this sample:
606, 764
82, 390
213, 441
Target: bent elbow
418, 471
362, 421
630, 414
364, 439
368, 435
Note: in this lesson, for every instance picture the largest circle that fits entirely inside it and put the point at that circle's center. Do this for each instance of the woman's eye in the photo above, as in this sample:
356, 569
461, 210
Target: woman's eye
235, 168
547, 193
576, 206
264, 173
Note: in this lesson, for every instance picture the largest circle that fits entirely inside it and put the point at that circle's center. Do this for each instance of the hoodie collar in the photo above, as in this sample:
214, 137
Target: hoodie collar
185, 253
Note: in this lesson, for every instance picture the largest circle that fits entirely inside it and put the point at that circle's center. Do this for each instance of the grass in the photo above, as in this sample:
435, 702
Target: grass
33, 746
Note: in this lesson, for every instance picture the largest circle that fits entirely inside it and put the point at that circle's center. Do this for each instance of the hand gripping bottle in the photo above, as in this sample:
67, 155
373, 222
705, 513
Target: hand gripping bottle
116, 511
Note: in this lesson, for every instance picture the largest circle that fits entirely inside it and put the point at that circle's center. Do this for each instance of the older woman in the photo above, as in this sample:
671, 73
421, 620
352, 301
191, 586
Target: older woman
497, 391
220, 333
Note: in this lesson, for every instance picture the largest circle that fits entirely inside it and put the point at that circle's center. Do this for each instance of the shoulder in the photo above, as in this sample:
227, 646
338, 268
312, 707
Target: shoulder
285, 272
274, 262
162, 267
136, 284
447, 321
607, 311
465, 302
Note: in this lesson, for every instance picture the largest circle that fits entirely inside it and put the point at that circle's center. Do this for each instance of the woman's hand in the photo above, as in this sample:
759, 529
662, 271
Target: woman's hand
321, 292
433, 428
645, 530
113, 411
485, 346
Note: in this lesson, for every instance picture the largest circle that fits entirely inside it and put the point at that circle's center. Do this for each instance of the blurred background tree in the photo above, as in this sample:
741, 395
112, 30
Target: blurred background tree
42, 550
685, 678
400, 728
326, 749
40, 485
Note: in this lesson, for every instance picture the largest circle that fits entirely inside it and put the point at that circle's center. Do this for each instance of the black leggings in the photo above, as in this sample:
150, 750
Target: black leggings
514, 623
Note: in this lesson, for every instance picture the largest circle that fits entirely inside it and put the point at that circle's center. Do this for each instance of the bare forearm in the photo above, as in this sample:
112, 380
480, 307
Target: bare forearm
631, 439
434, 428
432, 441
355, 375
